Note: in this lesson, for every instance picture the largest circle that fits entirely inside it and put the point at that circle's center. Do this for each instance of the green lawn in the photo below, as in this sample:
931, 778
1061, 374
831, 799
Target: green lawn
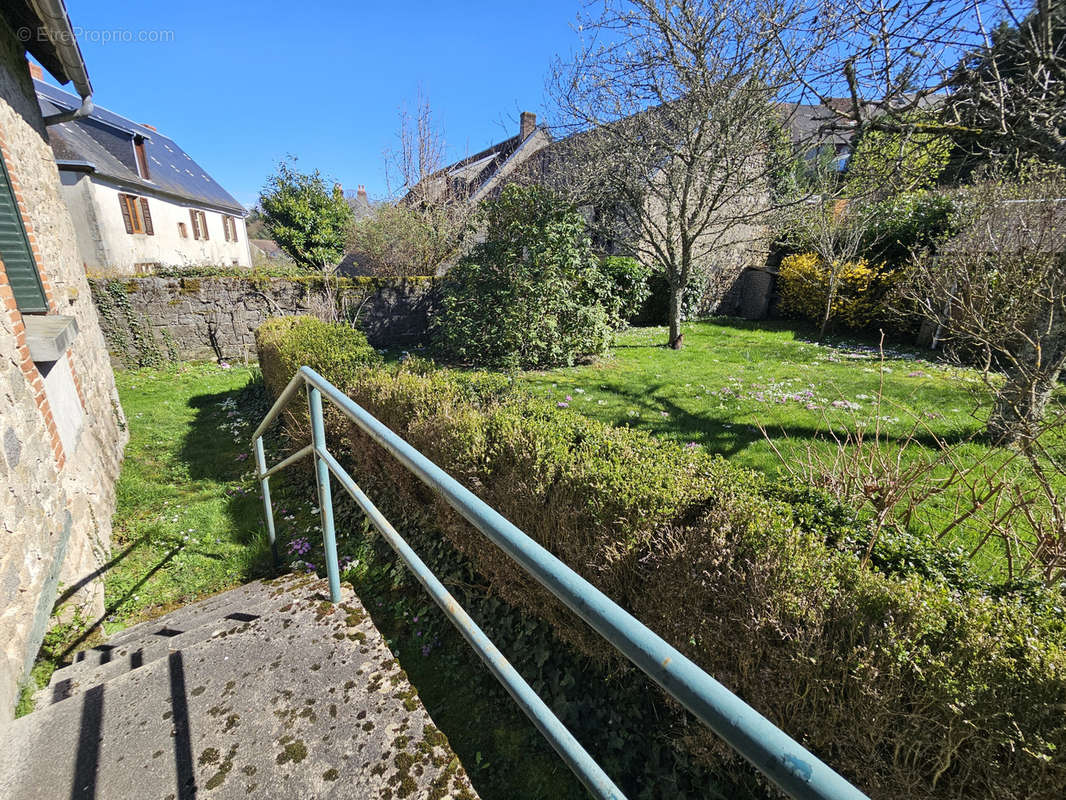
732, 376
734, 379
187, 522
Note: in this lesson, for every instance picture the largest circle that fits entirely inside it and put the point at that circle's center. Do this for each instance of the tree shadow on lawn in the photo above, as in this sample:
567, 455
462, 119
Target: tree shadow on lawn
211, 455
712, 432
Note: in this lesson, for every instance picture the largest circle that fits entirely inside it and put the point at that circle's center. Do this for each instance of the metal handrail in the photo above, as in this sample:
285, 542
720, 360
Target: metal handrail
777, 756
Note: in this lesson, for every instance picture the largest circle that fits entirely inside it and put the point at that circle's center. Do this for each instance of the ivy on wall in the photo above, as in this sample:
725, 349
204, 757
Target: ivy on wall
130, 335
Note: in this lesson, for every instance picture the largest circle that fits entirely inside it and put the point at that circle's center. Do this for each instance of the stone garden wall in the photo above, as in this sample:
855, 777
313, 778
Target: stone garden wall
153, 318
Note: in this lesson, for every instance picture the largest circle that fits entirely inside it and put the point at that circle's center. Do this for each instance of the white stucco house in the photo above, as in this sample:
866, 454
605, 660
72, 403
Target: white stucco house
137, 199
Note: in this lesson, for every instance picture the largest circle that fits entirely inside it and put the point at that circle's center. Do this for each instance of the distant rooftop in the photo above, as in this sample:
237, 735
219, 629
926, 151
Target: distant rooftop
102, 143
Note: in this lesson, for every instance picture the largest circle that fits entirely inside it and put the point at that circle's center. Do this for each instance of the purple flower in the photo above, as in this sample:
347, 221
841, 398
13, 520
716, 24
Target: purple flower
242, 456
569, 398
563, 405
691, 445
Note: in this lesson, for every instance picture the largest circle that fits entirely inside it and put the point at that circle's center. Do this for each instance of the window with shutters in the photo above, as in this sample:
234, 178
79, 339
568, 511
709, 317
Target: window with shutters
136, 215
229, 228
16, 253
199, 224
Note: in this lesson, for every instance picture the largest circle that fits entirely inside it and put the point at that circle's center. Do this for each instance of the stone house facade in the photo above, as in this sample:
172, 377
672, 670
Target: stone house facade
137, 199
62, 431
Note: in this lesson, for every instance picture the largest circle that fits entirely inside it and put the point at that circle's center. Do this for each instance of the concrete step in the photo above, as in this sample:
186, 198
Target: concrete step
80, 676
305, 702
190, 616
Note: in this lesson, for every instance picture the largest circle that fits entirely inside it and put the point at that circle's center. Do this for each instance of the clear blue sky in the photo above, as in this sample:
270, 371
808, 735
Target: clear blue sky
240, 84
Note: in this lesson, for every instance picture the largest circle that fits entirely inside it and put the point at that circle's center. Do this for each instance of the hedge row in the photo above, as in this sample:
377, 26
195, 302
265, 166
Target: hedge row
908, 686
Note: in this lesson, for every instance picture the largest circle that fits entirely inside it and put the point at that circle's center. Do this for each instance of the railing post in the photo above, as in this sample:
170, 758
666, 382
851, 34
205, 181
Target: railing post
264, 488
325, 494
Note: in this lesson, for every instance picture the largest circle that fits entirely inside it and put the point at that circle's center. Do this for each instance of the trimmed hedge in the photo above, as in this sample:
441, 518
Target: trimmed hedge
908, 685
287, 343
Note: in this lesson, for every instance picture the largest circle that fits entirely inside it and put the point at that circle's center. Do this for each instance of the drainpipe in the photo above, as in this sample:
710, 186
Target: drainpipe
83, 110
54, 18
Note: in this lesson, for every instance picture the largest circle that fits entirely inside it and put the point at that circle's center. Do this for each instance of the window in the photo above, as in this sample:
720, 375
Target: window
199, 224
142, 159
16, 253
135, 214
183, 230
229, 228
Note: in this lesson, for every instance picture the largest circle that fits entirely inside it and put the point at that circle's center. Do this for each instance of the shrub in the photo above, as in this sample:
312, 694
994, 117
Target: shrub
528, 296
287, 343
626, 288
909, 685
805, 284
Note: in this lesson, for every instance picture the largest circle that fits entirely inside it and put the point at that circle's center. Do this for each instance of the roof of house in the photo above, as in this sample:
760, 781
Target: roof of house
269, 247
54, 43
470, 176
102, 143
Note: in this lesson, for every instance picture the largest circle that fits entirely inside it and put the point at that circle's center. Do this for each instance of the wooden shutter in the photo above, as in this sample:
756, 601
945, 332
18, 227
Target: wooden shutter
123, 201
16, 253
225, 227
195, 223
203, 225
147, 217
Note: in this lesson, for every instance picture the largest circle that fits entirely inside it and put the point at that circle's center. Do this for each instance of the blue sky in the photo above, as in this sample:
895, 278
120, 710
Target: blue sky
239, 84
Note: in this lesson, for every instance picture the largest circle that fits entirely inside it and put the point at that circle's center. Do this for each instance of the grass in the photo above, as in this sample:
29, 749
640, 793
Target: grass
735, 379
188, 520
733, 376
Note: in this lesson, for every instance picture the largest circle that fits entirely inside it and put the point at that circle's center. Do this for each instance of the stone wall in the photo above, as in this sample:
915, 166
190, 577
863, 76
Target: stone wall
62, 431
216, 317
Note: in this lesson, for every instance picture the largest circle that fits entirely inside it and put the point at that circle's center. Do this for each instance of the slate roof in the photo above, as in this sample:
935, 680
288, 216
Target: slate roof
103, 144
466, 177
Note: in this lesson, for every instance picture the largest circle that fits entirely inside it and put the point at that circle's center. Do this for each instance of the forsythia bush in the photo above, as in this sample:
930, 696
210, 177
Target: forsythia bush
909, 685
805, 282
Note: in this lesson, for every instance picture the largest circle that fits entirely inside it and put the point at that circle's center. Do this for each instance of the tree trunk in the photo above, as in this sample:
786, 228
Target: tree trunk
673, 315
1020, 405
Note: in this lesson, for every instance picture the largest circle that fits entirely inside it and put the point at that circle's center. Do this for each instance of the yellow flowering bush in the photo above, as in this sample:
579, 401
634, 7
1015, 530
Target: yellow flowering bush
804, 282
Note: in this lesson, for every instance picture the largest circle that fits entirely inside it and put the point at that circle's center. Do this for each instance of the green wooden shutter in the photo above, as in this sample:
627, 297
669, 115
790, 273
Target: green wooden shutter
16, 253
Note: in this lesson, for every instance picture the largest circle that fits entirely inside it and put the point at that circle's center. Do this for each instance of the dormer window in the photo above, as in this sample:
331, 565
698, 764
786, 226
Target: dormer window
142, 159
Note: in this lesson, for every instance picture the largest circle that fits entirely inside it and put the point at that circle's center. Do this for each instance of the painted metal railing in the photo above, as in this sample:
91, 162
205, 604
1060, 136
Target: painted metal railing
777, 756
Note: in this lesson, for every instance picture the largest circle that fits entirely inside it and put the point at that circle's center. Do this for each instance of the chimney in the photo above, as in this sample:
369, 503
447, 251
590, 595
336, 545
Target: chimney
35, 72
361, 194
527, 125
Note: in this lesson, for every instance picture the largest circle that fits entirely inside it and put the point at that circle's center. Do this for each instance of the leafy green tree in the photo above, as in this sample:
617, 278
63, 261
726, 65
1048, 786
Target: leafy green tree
530, 294
892, 162
307, 219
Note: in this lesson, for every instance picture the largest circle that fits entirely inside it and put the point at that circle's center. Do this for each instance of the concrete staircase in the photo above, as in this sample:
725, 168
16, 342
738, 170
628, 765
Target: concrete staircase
267, 690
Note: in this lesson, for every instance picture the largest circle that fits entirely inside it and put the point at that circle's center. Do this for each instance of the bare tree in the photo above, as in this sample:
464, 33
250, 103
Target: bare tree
676, 134
836, 230
994, 70
997, 291
421, 228
419, 154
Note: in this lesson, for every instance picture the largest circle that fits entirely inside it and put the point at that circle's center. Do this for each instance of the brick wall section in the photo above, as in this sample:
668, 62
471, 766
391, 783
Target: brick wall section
202, 314
55, 506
